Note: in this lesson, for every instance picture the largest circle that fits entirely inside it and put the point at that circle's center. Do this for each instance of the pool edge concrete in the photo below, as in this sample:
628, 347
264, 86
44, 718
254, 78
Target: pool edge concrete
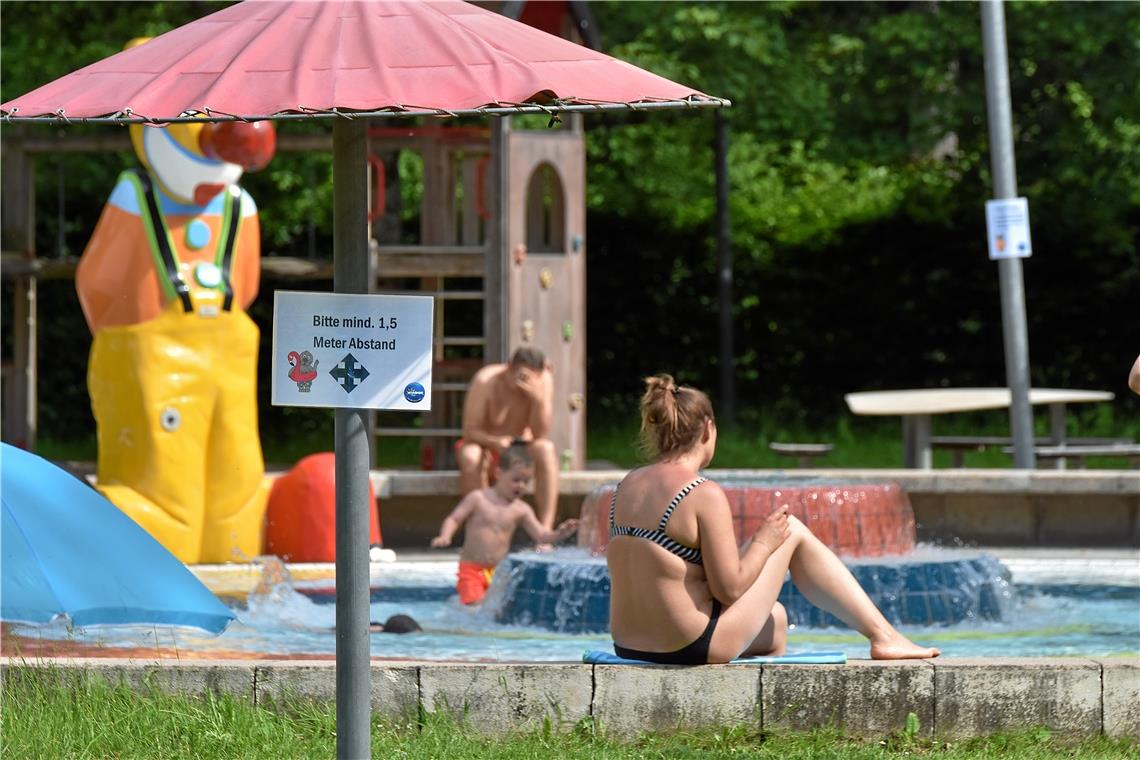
951, 697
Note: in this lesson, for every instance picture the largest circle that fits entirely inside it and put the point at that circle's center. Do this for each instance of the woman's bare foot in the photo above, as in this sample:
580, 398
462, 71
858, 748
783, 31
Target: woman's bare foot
898, 647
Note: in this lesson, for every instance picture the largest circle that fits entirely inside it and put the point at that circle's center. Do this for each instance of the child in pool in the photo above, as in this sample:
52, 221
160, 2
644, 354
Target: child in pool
492, 515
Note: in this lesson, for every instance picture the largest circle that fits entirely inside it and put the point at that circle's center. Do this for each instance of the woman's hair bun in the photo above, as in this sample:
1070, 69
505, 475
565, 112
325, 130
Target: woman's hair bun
659, 404
671, 420
661, 383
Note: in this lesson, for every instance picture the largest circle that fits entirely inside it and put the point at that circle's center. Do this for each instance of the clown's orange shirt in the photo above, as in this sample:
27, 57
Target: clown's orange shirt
117, 280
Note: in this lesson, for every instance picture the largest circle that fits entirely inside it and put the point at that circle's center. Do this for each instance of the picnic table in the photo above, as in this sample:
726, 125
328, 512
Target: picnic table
917, 406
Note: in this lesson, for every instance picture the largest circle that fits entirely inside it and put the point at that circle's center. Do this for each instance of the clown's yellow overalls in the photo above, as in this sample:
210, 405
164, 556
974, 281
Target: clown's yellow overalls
175, 400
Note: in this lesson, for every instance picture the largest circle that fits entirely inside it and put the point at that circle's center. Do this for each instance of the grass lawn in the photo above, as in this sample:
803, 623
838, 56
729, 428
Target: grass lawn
860, 442
46, 718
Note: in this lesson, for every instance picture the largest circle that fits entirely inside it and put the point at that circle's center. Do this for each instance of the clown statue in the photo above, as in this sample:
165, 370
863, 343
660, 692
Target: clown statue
164, 283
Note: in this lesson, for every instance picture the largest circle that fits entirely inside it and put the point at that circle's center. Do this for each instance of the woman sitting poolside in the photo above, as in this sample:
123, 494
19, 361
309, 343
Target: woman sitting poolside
682, 591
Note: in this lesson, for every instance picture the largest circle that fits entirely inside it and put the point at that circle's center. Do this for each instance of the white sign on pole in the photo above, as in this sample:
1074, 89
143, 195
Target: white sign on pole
1007, 228
352, 350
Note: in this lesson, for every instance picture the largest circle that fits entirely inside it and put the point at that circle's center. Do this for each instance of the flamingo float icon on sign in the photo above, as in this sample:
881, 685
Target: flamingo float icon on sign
302, 370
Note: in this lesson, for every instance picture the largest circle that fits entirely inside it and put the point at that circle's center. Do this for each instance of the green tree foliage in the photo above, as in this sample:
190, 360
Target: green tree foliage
45, 40
859, 165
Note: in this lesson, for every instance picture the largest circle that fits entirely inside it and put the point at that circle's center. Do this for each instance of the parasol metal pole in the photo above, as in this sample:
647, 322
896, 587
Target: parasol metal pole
18, 233
724, 271
350, 275
1013, 322
496, 265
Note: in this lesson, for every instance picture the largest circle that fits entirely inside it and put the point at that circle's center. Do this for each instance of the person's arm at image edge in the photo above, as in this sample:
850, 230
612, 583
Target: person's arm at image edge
1134, 376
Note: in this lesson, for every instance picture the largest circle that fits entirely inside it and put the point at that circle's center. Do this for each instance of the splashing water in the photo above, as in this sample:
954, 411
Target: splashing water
274, 602
289, 618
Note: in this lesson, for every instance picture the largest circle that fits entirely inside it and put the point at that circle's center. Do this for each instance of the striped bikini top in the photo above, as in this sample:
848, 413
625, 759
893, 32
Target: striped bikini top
657, 535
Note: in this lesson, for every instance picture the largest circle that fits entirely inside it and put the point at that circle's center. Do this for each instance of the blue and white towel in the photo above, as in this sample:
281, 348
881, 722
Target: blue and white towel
597, 657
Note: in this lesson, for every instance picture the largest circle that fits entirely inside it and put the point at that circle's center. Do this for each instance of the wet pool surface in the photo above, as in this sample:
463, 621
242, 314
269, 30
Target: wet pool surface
1084, 609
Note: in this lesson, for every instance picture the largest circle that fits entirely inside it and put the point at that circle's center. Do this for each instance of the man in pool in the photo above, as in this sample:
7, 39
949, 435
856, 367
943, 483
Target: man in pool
506, 403
492, 515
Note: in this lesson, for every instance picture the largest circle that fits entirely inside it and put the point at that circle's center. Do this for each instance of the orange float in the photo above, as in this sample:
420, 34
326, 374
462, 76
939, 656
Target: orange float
300, 520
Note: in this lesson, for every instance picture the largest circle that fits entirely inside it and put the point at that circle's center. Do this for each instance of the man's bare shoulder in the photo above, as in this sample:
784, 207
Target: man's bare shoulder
487, 373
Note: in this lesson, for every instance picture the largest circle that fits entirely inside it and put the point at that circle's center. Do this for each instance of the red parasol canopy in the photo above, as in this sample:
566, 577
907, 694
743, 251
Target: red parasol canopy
267, 58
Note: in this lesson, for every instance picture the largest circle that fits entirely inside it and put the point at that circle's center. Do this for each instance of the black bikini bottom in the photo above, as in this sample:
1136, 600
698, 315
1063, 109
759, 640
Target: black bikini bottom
696, 653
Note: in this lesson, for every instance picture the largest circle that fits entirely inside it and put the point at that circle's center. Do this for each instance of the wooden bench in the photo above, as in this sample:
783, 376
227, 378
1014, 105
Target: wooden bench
1078, 452
805, 453
959, 445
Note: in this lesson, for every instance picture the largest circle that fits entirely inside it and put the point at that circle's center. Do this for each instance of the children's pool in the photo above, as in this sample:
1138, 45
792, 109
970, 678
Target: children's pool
1093, 616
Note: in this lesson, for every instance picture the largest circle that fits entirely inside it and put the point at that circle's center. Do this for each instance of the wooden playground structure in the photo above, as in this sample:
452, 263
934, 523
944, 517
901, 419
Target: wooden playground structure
502, 225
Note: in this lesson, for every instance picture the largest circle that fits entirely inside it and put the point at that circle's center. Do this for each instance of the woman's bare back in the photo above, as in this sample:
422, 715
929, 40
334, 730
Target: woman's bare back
658, 601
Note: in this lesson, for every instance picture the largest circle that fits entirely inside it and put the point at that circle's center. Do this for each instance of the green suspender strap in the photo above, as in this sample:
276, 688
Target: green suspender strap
157, 233
162, 248
224, 258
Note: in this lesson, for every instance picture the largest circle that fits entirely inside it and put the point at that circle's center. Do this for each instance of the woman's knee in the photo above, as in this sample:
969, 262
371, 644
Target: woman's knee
797, 527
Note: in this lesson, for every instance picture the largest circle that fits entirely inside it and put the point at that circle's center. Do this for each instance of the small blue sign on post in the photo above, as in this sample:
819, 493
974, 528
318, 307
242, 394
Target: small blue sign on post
1007, 228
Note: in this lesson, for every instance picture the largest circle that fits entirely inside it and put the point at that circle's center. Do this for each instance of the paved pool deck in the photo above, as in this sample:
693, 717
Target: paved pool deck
952, 697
